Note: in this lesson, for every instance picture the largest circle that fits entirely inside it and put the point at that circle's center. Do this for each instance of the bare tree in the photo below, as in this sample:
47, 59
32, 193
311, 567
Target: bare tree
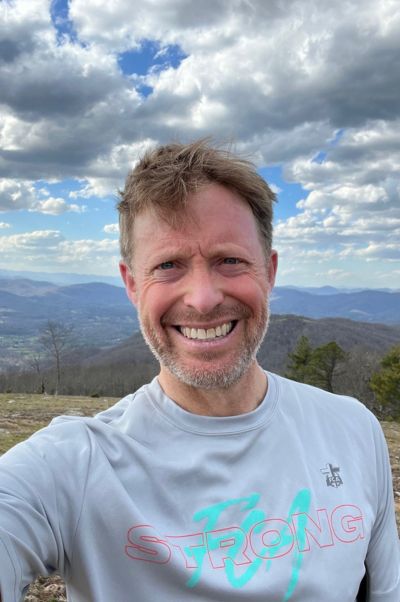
56, 338
35, 363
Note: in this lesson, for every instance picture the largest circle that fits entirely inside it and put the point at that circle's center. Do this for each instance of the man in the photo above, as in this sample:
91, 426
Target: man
217, 481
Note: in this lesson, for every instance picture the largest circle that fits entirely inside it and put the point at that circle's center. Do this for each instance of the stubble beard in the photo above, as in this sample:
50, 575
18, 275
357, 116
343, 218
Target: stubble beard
210, 376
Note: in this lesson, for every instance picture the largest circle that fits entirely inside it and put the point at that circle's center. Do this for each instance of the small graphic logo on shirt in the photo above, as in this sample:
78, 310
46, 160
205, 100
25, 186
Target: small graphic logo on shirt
333, 478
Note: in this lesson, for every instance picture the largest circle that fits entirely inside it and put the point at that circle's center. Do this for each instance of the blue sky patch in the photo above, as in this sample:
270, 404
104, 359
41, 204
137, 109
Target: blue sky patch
149, 57
290, 192
319, 157
59, 13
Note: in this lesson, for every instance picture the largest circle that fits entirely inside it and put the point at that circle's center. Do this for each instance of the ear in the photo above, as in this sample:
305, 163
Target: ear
129, 281
272, 268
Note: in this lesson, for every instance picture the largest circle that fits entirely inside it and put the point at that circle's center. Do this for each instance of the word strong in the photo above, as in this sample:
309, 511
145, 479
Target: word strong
268, 539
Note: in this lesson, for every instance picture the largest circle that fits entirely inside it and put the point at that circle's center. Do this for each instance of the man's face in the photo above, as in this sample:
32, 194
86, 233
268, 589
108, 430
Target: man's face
202, 289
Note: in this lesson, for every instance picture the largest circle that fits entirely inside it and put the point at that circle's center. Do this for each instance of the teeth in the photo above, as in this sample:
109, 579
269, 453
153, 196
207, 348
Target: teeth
209, 334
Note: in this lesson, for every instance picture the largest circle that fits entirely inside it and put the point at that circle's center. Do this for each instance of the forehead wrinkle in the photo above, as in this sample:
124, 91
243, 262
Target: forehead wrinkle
185, 246
181, 247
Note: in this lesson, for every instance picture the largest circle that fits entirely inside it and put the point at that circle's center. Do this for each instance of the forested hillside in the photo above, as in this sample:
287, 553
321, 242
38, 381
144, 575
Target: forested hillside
123, 368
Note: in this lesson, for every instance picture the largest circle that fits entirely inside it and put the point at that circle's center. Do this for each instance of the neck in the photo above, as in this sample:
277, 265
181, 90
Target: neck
241, 398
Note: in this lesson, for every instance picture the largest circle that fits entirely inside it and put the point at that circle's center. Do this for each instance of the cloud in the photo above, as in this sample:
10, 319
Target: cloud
56, 206
40, 240
353, 204
112, 25
40, 78
16, 196
336, 273
375, 252
4, 225
307, 84
111, 229
109, 170
63, 104
275, 188
51, 250
71, 105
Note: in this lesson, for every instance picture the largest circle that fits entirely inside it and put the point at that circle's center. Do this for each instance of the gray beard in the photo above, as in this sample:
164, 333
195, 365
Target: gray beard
213, 378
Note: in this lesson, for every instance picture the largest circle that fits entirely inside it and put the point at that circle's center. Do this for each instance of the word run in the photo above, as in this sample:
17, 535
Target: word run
268, 539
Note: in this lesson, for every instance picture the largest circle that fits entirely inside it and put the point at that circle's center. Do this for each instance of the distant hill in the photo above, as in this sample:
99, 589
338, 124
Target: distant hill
103, 316
59, 278
285, 331
25, 287
366, 305
25, 305
331, 290
122, 368
283, 334
25, 302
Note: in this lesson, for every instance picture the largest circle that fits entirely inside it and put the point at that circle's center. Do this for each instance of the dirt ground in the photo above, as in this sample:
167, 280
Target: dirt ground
21, 415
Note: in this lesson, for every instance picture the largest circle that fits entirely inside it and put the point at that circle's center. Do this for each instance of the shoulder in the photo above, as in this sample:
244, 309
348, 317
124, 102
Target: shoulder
322, 406
314, 395
76, 440
51, 448
327, 421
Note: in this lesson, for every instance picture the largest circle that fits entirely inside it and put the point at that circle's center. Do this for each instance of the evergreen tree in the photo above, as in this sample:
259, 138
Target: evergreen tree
386, 382
300, 359
316, 366
324, 365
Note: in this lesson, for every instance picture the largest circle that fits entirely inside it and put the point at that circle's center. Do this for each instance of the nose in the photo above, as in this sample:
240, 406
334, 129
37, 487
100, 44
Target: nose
203, 292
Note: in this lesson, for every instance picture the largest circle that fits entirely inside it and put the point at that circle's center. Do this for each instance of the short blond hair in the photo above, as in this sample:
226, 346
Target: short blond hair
165, 176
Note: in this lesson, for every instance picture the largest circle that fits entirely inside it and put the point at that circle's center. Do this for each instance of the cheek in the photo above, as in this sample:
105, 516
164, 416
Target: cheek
251, 290
153, 302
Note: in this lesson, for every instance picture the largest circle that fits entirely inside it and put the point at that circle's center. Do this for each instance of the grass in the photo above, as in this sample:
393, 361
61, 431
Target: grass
21, 415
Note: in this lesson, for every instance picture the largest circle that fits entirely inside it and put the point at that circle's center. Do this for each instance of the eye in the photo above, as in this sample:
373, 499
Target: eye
231, 260
166, 265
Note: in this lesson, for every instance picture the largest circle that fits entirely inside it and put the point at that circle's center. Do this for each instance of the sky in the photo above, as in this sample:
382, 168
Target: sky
306, 89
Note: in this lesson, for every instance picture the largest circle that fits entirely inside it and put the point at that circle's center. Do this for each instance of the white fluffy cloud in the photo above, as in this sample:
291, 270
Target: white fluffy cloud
50, 250
107, 170
56, 206
111, 229
276, 81
17, 195
284, 82
353, 207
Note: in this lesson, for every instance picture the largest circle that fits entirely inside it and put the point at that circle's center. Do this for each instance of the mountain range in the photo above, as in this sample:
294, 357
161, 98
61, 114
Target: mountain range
125, 367
283, 333
103, 317
366, 305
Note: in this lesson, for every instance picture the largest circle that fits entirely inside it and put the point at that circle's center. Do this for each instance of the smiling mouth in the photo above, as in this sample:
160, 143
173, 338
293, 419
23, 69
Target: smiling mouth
207, 334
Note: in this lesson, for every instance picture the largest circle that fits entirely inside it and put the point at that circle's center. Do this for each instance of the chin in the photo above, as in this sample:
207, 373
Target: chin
223, 377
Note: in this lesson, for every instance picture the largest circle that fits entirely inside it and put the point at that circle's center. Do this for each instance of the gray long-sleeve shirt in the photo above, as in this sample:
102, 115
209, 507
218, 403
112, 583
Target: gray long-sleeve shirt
149, 502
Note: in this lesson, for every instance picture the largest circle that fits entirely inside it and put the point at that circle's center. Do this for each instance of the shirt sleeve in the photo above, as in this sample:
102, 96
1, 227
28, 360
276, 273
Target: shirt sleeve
30, 538
383, 558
